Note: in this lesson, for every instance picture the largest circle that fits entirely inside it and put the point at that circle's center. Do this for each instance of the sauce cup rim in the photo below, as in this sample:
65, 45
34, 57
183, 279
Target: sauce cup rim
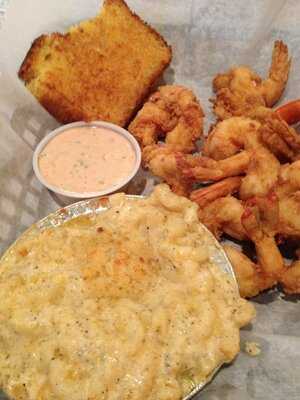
86, 195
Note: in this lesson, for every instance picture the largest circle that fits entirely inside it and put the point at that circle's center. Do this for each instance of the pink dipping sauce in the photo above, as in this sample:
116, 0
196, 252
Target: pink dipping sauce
86, 159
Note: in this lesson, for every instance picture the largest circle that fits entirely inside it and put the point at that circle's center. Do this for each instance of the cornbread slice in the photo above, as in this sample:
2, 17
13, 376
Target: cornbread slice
101, 69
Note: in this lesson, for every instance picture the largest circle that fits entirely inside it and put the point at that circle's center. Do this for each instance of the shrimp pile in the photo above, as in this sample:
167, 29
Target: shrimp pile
260, 203
254, 195
248, 167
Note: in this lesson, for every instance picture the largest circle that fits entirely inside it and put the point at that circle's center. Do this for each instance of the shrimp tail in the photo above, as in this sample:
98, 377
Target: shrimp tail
206, 195
273, 87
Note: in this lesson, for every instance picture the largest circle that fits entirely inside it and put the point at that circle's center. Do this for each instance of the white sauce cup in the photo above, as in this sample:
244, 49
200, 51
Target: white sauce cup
85, 195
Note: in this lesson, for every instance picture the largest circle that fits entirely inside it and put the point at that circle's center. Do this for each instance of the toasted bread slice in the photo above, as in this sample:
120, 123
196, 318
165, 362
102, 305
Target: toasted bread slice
101, 69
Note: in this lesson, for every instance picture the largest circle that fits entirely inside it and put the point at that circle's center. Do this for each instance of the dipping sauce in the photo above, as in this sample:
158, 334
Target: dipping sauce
87, 159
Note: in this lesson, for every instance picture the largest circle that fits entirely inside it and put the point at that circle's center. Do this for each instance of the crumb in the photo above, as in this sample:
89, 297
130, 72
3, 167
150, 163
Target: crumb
252, 348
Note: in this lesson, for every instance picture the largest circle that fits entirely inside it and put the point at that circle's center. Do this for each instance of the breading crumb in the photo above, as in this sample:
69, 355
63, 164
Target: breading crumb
252, 348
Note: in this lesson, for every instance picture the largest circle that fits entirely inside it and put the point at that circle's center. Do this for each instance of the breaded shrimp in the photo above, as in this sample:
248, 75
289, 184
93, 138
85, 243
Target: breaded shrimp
223, 215
162, 162
241, 90
263, 128
253, 278
236, 93
281, 139
261, 174
172, 113
218, 210
279, 212
289, 179
260, 219
204, 169
290, 280
289, 215
273, 134
230, 136
267, 252
260, 167
250, 276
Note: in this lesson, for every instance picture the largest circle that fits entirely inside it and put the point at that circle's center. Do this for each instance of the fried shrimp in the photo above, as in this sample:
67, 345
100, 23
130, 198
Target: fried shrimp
259, 219
290, 280
172, 113
271, 136
289, 179
218, 210
223, 215
259, 167
288, 194
236, 146
162, 162
230, 136
261, 175
236, 93
268, 254
280, 211
241, 90
264, 127
275, 133
252, 280
250, 276
289, 215
204, 169
280, 138
259, 226
270, 269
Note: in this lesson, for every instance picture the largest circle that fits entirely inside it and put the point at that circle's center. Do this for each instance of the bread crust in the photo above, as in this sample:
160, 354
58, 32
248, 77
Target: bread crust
26, 69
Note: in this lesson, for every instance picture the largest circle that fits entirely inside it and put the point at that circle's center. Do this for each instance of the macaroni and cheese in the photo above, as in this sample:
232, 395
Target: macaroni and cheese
124, 304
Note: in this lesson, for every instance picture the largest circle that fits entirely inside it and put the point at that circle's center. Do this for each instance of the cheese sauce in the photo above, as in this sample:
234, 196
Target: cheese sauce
87, 159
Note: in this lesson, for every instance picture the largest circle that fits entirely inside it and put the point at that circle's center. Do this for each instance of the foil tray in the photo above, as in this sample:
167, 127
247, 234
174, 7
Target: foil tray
100, 204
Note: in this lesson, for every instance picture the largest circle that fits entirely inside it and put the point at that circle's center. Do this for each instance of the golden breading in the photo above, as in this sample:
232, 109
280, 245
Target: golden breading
101, 69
